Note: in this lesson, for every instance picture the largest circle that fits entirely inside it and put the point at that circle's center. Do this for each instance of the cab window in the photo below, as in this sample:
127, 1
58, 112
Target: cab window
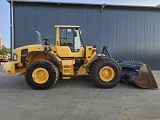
66, 37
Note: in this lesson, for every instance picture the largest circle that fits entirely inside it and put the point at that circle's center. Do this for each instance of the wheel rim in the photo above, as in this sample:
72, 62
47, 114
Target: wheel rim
106, 73
40, 75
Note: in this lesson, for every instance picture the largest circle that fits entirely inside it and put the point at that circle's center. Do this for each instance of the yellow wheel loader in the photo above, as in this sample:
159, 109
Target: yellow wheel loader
43, 64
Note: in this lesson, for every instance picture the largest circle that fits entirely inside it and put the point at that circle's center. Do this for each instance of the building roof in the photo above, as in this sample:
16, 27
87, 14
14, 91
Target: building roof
90, 2
95, 2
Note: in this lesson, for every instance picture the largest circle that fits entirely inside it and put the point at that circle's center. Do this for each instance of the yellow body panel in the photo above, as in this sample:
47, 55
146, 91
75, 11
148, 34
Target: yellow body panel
35, 57
65, 51
81, 52
34, 47
90, 53
68, 62
16, 66
9, 67
82, 70
57, 37
53, 48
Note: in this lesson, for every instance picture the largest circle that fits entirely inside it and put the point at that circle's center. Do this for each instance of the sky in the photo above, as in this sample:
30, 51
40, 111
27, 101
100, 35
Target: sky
5, 22
5, 12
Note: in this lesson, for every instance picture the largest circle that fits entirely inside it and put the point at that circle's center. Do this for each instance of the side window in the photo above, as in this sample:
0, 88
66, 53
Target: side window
66, 36
77, 43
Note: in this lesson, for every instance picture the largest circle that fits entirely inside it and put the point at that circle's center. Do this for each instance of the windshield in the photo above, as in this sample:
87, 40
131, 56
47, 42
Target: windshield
71, 37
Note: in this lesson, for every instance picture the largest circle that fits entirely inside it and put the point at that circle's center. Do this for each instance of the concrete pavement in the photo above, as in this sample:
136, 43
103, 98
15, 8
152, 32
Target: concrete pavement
76, 99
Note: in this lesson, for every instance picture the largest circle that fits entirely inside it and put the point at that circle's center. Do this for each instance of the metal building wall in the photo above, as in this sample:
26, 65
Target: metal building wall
129, 32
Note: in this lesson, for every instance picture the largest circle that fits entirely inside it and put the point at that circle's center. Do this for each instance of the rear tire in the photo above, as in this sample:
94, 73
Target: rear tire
105, 73
41, 74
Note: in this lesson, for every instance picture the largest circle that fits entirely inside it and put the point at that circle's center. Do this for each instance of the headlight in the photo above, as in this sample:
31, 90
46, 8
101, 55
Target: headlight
15, 56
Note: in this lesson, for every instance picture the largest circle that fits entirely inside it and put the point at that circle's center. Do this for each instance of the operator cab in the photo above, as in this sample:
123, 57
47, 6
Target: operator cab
69, 42
70, 36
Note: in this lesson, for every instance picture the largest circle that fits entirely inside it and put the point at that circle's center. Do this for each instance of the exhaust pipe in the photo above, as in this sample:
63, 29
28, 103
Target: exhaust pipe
39, 38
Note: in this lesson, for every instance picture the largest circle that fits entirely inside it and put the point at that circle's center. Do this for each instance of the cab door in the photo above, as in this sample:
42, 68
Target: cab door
70, 43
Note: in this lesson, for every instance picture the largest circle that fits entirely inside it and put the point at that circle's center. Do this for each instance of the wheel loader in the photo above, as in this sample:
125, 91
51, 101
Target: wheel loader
43, 64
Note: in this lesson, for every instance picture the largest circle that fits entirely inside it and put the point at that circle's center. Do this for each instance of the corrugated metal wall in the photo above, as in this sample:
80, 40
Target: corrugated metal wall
129, 32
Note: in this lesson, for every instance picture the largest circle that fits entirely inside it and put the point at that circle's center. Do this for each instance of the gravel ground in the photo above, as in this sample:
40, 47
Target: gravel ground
76, 99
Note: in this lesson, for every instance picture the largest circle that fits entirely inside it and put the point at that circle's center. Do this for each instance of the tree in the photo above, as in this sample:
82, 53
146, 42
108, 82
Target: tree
4, 50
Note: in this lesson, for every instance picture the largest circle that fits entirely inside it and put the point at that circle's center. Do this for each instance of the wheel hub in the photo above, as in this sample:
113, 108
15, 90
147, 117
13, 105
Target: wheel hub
106, 73
40, 75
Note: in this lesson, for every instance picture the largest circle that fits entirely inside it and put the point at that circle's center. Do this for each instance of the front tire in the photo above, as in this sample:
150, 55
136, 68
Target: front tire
105, 73
41, 74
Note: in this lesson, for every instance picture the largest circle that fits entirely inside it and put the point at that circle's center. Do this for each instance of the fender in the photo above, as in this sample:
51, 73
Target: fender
56, 60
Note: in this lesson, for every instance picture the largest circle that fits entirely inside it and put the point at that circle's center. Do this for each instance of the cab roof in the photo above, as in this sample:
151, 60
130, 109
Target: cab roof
67, 26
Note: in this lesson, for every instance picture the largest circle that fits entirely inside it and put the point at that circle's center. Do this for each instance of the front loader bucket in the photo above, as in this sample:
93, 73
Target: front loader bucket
145, 78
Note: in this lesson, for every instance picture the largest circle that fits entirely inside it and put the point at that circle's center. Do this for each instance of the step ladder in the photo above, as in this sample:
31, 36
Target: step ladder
67, 68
